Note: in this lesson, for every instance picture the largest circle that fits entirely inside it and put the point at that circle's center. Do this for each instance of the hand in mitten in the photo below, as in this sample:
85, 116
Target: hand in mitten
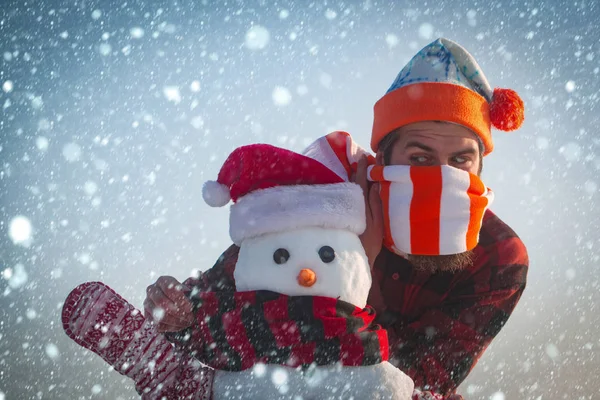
97, 318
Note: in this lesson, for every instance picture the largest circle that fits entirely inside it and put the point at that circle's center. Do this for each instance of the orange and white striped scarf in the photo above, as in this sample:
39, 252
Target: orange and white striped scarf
427, 210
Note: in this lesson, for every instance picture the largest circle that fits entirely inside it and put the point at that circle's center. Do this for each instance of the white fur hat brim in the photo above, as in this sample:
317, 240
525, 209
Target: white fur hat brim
284, 208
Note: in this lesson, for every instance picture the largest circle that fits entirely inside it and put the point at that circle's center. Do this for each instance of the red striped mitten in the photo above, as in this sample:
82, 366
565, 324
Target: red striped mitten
100, 320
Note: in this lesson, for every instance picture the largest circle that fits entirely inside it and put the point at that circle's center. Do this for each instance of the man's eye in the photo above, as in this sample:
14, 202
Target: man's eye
419, 159
460, 160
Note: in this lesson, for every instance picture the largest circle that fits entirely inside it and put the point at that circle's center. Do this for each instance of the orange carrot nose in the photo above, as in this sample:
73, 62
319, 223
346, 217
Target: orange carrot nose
307, 277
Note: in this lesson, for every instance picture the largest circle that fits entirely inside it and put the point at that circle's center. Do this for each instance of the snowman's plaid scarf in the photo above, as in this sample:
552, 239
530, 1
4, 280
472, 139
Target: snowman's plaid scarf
235, 330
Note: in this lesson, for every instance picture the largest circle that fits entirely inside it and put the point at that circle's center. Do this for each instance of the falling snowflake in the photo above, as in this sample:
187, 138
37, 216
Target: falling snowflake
281, 96
330, 14
257, 37
52, 351
426, 31
392, 40
105, 49
172, 94
136, 32
195, 86
570, 86
72, 152
20, 230
7, 86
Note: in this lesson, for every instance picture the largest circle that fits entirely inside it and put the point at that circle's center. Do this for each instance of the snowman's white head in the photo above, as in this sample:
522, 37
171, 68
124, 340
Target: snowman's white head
306, 262
297, 223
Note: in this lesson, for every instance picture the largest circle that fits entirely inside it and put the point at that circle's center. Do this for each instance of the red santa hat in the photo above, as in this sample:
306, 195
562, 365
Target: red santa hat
277, 190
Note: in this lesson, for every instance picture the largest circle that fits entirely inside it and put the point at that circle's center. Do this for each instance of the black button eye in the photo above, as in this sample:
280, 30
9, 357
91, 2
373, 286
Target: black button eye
327, 254
280, 256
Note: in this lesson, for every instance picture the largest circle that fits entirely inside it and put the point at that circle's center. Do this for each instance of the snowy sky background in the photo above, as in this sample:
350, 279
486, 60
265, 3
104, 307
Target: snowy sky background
115, 112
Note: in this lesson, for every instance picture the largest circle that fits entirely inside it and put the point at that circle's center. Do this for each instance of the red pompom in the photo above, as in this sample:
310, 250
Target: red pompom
507, 110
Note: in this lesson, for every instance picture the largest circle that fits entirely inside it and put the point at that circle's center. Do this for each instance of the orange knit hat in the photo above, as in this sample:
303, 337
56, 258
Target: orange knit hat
443, 82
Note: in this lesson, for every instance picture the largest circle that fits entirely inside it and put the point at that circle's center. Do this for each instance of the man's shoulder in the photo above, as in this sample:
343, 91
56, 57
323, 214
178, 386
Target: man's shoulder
494, 230
499, 245
500, 265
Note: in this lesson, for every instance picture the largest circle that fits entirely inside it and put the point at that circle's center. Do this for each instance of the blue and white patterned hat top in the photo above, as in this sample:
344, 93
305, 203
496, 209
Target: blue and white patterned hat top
444, 61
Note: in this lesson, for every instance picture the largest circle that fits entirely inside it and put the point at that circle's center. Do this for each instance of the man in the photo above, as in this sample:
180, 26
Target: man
441, 310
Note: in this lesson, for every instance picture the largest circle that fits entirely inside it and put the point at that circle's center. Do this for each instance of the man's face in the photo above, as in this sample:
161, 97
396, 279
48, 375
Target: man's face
434, 143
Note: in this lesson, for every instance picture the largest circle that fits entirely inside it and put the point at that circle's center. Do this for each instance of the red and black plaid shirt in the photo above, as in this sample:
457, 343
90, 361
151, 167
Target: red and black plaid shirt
438, 324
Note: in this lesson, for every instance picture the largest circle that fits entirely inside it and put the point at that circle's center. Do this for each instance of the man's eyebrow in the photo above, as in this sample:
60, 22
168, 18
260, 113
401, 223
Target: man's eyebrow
418, 145
471, 151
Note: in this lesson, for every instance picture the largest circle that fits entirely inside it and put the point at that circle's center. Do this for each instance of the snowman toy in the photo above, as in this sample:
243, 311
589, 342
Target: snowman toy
297, 325
297, 224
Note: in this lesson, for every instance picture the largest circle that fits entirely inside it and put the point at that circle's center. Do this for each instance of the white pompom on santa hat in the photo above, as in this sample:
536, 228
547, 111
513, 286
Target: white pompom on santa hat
277, 190
215, 194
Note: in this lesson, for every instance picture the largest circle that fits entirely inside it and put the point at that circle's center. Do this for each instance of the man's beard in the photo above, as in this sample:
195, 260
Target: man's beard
446, 263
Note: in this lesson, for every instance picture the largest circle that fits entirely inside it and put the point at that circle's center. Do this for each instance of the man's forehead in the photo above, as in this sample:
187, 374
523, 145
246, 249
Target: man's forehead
431, 136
